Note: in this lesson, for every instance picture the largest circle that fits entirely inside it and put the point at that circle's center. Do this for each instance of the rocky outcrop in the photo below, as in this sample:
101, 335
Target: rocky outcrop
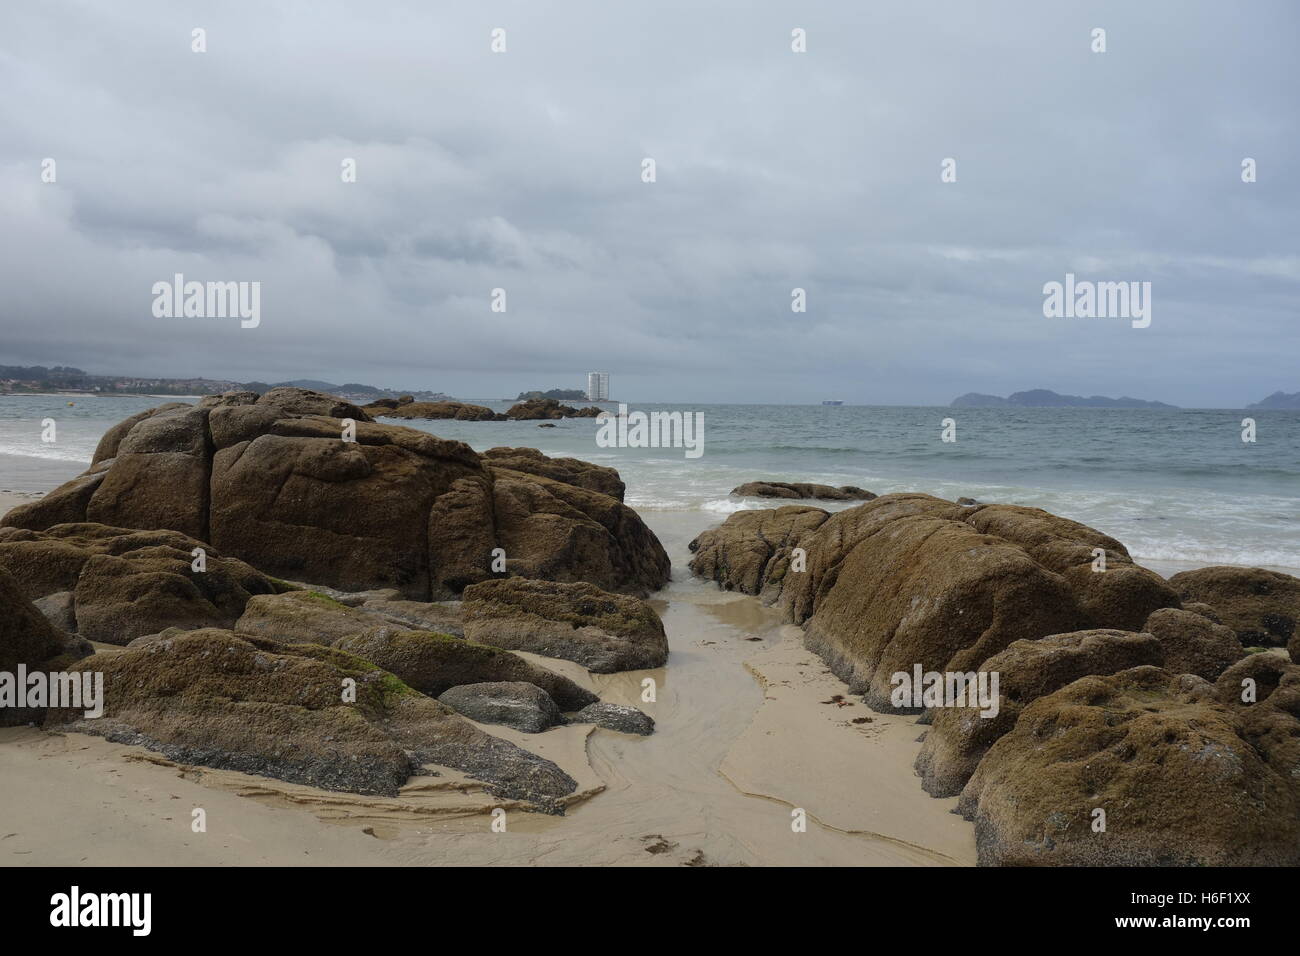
1182, 778
959, 737
125, 584
273, 480
578, 622
523, 707
533, 409
799, 489
570, 471
751, 551
458, 411
435, 663
911, 579
1193, 644
1261, 606
214, 699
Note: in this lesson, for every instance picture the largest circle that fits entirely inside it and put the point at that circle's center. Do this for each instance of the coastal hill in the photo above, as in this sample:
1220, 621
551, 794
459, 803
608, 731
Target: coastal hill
1045, 398
561, 394
1279, 400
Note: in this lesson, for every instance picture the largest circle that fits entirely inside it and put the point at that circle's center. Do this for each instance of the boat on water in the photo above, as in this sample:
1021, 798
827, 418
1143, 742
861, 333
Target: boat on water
832, 403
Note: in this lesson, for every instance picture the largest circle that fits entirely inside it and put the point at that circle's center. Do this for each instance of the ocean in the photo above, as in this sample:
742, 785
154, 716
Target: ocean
1177, 487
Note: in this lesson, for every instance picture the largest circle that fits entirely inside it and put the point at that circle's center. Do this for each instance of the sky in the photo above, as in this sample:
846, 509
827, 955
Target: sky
522, 170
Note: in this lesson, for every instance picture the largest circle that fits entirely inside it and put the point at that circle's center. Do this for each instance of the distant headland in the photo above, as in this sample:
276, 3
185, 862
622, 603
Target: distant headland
1045, 398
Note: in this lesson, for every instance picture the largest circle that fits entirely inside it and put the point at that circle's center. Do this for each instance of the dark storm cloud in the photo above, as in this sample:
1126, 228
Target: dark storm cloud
775, 170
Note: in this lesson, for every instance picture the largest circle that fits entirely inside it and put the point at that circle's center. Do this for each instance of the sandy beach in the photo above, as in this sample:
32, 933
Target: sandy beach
715, 785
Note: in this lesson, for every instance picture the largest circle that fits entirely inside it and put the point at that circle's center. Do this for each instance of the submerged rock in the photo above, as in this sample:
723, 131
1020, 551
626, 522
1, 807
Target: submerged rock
525, 707
801, 489
578, 622
212, 698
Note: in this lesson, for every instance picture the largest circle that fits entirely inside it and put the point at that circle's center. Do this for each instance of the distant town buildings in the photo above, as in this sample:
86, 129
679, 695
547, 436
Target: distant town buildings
597, 386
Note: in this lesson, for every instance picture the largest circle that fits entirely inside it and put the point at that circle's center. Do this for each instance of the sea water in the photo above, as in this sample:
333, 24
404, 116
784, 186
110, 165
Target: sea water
1177, 487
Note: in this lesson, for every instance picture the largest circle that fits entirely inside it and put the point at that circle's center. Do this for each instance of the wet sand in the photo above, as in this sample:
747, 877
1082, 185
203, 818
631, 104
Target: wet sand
746, 733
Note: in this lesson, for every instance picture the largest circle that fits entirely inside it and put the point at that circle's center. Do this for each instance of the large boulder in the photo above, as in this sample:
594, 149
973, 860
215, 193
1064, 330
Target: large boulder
558, 532
578, 622
125, 584
435, 663
959, 737
211, 698
1261, 606
523, 707
751, 551
282, 481
301, 617
910, 579
1193, 644
801, 489
1181, 778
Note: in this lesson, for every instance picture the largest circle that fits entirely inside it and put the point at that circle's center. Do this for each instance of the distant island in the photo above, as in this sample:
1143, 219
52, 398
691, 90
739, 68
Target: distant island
1045, 398
559, 394
25, 379
1279, 400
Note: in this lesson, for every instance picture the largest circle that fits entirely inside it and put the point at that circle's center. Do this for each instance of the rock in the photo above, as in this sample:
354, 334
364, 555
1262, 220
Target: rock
525, 707
571, 471
1178, 774
435, 663
967, 502
799, 489
536, 408
111, 439
270, 480
625, 720
129, 583
1194, 644
59, 609
546, 425
301, 617
751, 551
460, 411
911, 579
959, 736
160, 476
578, 622
1123, 596
214, 699
558, 532
1204, 610
1261, 606
445, 618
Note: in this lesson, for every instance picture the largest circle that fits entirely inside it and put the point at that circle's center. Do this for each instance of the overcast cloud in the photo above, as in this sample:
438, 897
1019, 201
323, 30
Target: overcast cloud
775, 170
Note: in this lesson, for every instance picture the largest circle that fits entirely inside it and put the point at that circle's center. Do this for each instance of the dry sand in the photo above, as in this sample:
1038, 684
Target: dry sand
745, 735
